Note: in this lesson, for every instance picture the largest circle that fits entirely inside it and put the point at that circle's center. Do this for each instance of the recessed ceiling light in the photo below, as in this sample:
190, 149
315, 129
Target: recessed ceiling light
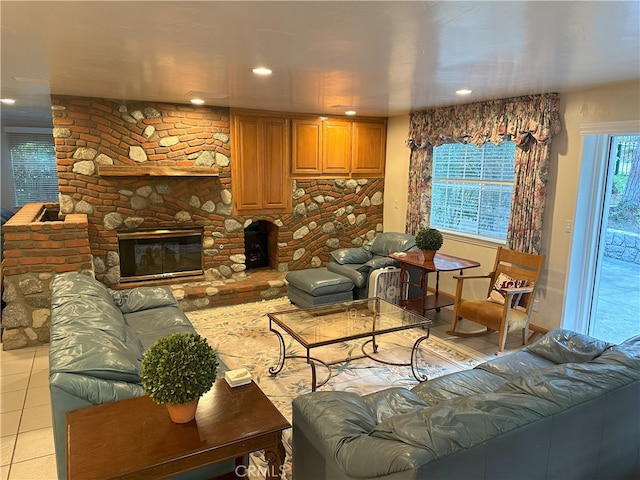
197, 101
350, 112
463, 91
8, 101
262, 71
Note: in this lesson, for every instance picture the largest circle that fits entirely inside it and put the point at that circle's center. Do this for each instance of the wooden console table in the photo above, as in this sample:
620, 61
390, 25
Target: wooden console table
135, 438
441, 263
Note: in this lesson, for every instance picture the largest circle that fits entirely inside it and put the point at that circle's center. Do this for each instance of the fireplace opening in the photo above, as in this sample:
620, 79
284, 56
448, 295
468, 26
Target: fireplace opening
260, 244
159, 254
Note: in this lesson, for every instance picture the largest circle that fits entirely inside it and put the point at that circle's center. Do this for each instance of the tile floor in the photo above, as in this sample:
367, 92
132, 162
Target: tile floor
25, 415
25, 405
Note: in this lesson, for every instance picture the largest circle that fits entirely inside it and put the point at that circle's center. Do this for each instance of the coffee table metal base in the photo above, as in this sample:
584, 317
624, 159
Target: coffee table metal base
275, 370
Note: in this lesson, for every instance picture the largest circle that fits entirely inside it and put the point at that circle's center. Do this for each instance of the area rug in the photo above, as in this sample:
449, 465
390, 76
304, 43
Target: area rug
241, 337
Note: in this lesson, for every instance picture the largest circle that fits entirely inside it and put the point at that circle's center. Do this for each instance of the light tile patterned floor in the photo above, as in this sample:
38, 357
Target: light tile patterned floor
25, 415
25, 404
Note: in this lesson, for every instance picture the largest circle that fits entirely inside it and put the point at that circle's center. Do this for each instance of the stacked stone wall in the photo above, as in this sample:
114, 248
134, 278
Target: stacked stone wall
90, 133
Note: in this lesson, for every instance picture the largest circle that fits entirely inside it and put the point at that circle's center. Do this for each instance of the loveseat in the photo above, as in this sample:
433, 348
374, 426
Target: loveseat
98, 337
567, 406
357, 263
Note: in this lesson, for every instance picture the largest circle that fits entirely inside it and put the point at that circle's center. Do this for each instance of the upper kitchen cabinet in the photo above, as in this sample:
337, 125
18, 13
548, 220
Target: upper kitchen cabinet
260, 163
337, 147
369, 144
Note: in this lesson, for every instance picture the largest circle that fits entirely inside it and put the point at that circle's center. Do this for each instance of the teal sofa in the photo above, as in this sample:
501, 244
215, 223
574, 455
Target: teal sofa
565, 407
98, 338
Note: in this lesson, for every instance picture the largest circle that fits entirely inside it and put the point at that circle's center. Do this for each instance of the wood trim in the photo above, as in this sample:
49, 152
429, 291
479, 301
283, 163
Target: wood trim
156, 171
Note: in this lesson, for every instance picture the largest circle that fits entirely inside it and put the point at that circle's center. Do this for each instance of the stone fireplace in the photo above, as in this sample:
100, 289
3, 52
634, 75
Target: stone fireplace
155, 166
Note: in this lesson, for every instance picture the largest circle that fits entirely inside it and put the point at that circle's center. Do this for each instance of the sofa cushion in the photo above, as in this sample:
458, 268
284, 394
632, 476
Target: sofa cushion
569, 384
515, 364
457, 384
390, 242
143, 298
97, 354
566, 346
350, 255
463, 422
627, 353
152, 325
392, 401
72, 284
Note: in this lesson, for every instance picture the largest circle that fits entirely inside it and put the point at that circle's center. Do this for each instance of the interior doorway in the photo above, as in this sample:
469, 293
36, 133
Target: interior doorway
603, 285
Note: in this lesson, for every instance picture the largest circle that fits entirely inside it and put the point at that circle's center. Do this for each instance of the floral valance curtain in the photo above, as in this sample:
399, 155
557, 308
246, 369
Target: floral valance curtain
530, 121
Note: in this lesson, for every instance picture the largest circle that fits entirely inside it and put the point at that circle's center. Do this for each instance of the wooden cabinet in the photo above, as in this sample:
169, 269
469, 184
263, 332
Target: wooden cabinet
260, 164
320, 146
337, 147
306, 146
369, 145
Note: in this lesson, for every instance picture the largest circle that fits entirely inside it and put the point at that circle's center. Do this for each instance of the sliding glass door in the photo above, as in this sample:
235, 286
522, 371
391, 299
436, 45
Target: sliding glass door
615, 301
603, 283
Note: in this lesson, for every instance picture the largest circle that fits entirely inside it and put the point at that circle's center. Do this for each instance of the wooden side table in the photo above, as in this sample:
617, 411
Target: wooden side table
441, 263
135, 438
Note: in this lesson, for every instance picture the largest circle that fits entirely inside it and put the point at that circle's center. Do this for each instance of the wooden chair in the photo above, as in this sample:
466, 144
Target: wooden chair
522, 272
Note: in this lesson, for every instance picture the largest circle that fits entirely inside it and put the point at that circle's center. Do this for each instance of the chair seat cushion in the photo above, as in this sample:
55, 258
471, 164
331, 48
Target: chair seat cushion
489, 314
319, 281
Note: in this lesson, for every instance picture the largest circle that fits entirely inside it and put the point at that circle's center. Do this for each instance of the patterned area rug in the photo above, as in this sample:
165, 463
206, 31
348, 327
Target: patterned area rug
240, 335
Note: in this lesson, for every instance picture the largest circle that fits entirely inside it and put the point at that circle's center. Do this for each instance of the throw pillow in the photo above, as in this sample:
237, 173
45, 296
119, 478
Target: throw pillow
505, 281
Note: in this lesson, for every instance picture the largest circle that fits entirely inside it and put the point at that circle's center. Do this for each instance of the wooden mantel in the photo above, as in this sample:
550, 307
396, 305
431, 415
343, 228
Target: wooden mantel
156, 171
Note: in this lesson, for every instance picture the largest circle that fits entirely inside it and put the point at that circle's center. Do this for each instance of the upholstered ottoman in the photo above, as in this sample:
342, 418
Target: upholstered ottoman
317, 286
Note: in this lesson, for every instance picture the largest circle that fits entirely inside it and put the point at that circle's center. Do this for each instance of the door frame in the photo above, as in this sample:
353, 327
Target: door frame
590, 205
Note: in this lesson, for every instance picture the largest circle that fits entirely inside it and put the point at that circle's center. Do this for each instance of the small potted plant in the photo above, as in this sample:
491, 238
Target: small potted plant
429, 240
177, 370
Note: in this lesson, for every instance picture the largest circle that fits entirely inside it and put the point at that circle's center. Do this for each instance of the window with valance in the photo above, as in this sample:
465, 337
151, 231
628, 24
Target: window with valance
529, 121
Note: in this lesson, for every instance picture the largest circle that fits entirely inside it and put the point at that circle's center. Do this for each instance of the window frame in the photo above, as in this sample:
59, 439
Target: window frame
462, 235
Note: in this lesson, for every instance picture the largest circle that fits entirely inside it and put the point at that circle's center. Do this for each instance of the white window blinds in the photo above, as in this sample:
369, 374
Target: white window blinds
471, 188
33, 165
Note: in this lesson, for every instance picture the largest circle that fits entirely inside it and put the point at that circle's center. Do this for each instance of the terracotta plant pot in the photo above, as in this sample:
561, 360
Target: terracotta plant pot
182, 413
429, 255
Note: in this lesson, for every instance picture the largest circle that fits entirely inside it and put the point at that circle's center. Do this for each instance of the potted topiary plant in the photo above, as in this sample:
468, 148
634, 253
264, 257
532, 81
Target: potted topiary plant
429, 240
177, 370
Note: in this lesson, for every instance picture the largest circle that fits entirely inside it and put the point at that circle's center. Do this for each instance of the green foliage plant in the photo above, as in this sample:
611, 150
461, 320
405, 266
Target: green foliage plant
429, 238
179, 368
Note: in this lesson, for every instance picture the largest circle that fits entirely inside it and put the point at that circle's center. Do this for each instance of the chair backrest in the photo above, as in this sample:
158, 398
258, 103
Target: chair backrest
520, 266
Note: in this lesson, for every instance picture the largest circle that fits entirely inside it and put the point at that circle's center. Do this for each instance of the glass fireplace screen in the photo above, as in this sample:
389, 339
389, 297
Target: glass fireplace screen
154, 254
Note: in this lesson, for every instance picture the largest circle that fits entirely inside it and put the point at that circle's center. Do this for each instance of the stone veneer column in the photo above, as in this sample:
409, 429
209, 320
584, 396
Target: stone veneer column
34, 251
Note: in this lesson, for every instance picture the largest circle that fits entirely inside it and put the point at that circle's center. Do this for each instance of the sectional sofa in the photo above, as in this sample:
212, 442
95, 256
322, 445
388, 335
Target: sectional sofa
565, 407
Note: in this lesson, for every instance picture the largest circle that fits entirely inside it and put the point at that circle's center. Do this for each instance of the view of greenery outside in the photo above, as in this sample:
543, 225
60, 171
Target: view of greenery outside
472, 187
33, 164
624, 209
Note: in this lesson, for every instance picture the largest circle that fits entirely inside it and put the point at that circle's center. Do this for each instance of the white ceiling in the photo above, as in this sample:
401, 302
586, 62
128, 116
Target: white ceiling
382, 58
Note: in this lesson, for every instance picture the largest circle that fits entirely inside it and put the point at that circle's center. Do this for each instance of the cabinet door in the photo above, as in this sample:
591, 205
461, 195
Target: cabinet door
336, 147
306, 146
369, 143
246, 167
276, 185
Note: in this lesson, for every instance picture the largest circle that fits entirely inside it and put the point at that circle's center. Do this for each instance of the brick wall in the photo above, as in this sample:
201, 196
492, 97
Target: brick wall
90, 133
34, 251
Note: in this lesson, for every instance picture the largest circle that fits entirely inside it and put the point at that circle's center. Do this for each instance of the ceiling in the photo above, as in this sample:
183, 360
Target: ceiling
378, 58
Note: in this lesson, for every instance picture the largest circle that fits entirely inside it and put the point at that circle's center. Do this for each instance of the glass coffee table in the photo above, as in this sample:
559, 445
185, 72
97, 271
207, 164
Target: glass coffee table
340, 322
